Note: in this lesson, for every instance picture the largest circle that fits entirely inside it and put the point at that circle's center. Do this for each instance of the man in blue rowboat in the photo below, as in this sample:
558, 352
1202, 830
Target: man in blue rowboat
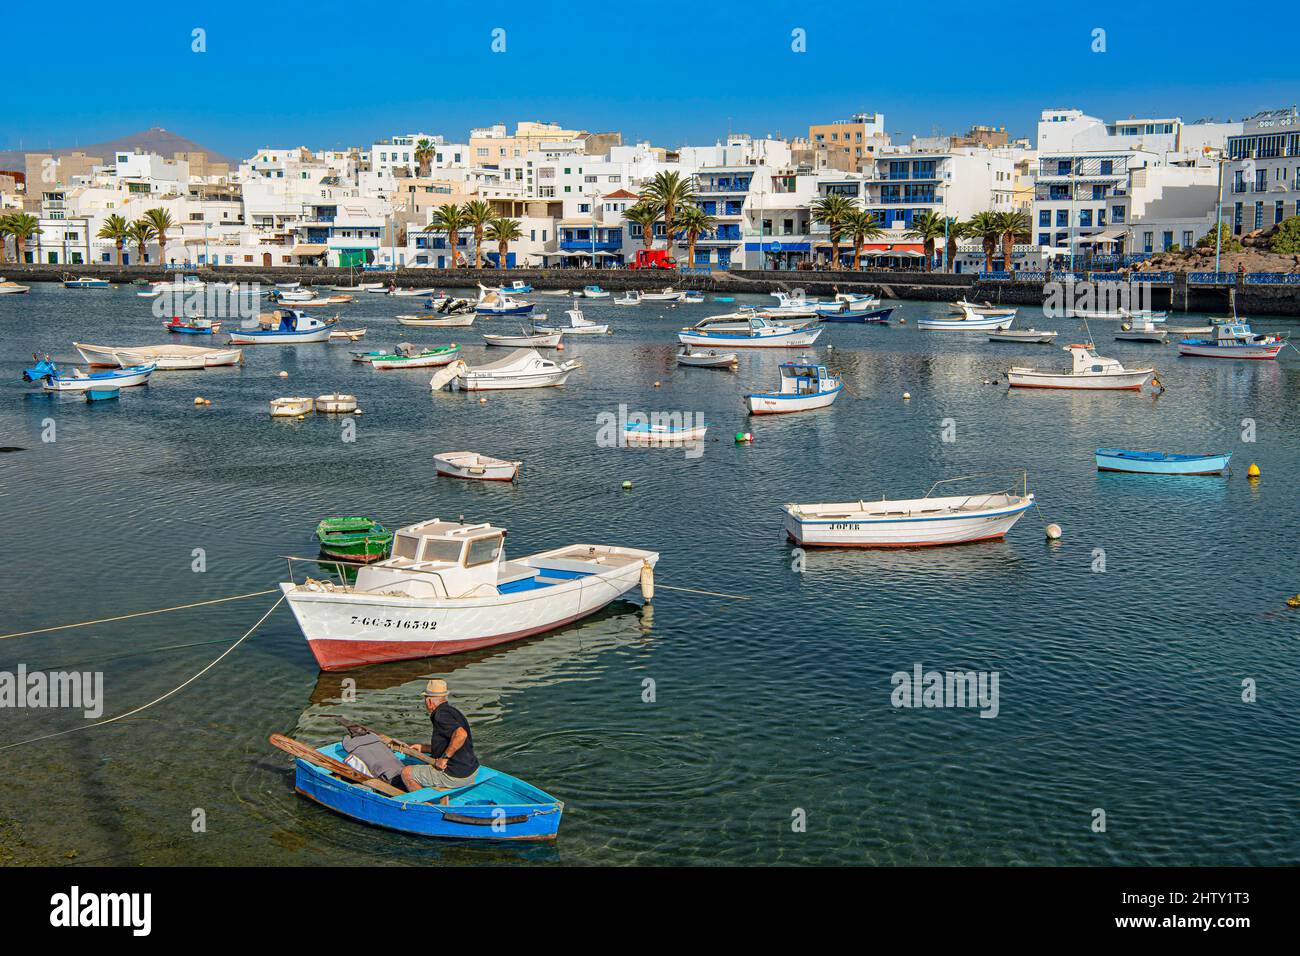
451, 746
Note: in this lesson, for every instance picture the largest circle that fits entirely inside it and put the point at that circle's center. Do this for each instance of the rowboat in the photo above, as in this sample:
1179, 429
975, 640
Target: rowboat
524, 368
12, 288
577, 325
438, 322
660, 435
107, 356
878, 316
103, 394
1160, 463
336, 403
668, 294
85, 282
971, 319
962, 307
525, 339
633, 297
354, 538
407, 355
498, 303
804, 386
291, 284
1142, 329
1234, 339
496, 806
449, 588
291, 295
475, 467
52, 380
1022, 336
193, 326
287, 327
709, 358
692, 298
1090, 371
907, 523
292, 407
760, 334
594, 292
347, 335
412, 292
359, 287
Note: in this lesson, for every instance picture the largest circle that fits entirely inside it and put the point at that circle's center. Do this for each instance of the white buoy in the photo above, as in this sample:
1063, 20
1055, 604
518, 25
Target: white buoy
284, 374
907, 396
1053, 532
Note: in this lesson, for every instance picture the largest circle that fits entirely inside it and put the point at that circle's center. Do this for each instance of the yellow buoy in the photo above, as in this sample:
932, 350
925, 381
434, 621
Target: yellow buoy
1252, 471
198, 401
1293, 601
647, 582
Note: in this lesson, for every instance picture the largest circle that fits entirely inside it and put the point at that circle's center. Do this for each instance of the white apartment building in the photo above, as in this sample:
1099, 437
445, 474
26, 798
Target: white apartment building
1262, 171
398, 153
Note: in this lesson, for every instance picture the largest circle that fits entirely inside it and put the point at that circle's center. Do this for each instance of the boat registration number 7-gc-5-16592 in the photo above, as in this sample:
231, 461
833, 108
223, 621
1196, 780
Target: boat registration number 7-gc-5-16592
393, 622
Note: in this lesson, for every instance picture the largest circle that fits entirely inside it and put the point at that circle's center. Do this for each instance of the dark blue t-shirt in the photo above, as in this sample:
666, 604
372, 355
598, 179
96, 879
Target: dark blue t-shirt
445, 720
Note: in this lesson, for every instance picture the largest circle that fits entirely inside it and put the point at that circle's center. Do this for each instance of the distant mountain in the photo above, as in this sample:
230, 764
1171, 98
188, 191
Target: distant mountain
154, 140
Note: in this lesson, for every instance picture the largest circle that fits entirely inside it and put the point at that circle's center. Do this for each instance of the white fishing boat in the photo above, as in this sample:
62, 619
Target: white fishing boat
284, 327
472, 466
707, 358
106, 356
410, 292
1090, 371
668, 294
594, 292
1234, 339
54, 380
461, 321
12, 288
291, 295
498, 303
962, 307
692, 298
907, 523
1098, 314
804, 385
448, 587
85, 282
761, 333
407, 355
661, 435
847, 303
291, 407
971, 319
1022, 336
524, 368
178, 357
633, 297
359, 287
525, 339
289, 285
578, 325
1142, 329
336, 403
792, 305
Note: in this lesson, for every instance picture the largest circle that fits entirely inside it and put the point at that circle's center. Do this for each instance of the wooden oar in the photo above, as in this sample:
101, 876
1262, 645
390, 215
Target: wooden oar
351, 774
391, 742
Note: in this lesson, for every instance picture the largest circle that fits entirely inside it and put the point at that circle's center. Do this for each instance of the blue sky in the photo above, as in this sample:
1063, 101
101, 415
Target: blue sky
329, 74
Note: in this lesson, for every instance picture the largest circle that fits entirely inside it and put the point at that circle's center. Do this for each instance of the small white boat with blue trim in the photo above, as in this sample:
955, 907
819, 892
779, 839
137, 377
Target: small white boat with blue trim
472, 466
847, 304
970, 318
792, 305
53, 380
578, 325
527, 339
760, 333
1160, 463
662, 434
911, 522
1142, 328
632, 297
1233, 339
805, 385
708, 358
668, 294
594, 292
285, 327
523, 368
448, 587
492, 302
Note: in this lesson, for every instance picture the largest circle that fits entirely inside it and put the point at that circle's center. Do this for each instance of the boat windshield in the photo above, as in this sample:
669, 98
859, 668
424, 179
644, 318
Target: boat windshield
441, 549
405, 546
483, 551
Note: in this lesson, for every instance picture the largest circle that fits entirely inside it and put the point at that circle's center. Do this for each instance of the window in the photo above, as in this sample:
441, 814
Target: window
483, 551
1085, 218
1188, 241
1044, 217
1044, 239
1259, 215
1116, 213
1278, 214
440, 549
1062, 217
1148, 238
1108, 167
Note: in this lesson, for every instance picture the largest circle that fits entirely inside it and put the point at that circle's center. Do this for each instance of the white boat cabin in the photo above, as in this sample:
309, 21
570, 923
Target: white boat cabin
1088, 362
805, 378
438, 559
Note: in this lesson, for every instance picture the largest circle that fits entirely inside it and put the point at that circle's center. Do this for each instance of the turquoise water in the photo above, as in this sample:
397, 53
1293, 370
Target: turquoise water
1119, 689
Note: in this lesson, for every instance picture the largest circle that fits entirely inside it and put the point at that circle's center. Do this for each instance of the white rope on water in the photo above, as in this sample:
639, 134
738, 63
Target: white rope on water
124, 617
157, 700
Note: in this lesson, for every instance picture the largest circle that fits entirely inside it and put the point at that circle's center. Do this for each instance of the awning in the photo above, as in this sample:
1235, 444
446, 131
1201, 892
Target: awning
310, 249
1106, 235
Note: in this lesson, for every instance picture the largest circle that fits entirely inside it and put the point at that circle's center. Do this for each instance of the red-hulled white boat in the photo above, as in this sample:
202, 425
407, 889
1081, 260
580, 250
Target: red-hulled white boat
1234, 339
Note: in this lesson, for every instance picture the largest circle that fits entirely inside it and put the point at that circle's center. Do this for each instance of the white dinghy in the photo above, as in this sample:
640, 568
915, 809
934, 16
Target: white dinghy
475, 467
523, 368
578, 325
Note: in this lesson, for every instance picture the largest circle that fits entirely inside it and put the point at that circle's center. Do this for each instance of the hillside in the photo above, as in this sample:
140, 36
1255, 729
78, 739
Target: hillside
154, 140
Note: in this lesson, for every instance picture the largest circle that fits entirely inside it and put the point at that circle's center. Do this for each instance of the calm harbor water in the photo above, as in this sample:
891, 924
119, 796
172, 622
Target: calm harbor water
1119, 689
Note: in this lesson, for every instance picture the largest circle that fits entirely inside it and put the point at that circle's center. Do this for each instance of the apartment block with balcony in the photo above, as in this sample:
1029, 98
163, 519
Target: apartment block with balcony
1082, 197
1262, 172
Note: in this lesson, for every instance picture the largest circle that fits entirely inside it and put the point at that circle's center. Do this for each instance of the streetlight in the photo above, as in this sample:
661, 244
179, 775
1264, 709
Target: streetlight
1218, 218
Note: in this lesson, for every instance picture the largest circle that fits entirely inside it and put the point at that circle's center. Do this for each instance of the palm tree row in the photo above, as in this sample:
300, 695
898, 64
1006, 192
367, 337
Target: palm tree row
671, 198
153, 225
479, 218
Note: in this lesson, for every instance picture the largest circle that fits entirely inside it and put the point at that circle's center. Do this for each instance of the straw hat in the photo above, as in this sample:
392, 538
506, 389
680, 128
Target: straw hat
437, 687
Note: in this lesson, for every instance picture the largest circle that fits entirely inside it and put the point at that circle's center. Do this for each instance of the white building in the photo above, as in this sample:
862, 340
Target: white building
1262, 171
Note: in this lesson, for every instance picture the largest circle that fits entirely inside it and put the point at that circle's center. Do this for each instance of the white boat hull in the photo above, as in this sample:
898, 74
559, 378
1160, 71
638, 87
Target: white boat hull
902, 532
476, 468
1130, 380
774, 404
139, 377
479, 383
1232, 352
978, 323
660, 435
781, 338
450, 322
280, 338
547, 341
419, 361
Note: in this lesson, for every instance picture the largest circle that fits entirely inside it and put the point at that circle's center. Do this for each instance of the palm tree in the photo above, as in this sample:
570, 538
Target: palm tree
956, 232
451, 220
141, 232
987, 227
21, 226
503, 231
694, 222
477, 215
1015, 226
669, 192
927, 226
861, 226
424, 153
644, 214
161, 220
117, 229
832, 210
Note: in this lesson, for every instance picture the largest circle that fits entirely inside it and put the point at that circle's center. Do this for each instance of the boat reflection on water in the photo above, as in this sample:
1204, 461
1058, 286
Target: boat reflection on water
976, 560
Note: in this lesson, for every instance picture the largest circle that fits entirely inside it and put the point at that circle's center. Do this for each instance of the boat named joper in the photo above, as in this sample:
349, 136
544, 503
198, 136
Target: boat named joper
449, 588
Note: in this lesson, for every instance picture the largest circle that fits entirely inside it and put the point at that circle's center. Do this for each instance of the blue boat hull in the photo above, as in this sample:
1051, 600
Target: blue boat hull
875, 315
521, 310
102, 394
496, 806
1157, 463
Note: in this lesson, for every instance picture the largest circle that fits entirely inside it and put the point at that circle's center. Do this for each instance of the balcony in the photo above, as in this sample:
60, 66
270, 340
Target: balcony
722, 186
586, 245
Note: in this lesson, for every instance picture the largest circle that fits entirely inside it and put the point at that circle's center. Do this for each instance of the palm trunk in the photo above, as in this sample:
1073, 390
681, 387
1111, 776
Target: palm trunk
857, 256
1008, 241
668, 229
20, 246
835, 253
648, 235
503, 247
989, 246
451, 241
690, 250
478, 247
952, 253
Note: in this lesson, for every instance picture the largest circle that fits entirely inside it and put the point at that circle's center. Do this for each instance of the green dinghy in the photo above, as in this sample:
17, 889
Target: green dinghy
354, 539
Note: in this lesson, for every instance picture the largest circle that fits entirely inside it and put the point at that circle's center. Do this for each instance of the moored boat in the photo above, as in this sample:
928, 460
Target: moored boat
578, 325
1233, 339
336, 403
667, 294
85, 282
354, 538
525, 339
472, 466
594, 292
1089, 371
460, 321
193, 326
285, 327
970, 319
872, 316
1033, 336
407, 355
53, 380
1142, 328
632, 297
12, 288
164, 356
908, 523
760, 333
292, 407
707, 358
804, 385
103, 394
498, 303
1160, 463
660, 434
448, 587
523, 368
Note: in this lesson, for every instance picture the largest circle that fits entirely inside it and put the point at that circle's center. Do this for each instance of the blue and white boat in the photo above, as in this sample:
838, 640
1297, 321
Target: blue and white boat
1160, 463
847, 304
804, 385
493, 302
594, 292
85, 282
758, 332
285, 327
1233, 338
877, 316
518, 287
52, 380
103, 393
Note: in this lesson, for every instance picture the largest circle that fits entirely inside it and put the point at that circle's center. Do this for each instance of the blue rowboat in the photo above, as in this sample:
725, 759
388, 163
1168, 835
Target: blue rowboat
1159, 463
496, 806
102, 394
879, 316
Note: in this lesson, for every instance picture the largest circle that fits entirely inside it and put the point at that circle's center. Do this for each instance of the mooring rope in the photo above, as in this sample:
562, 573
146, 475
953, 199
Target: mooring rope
124, 617
157, 700
733, 597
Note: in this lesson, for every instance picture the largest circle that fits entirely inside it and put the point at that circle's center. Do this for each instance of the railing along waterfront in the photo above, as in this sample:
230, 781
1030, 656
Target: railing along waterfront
1211, 278
1273, 278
